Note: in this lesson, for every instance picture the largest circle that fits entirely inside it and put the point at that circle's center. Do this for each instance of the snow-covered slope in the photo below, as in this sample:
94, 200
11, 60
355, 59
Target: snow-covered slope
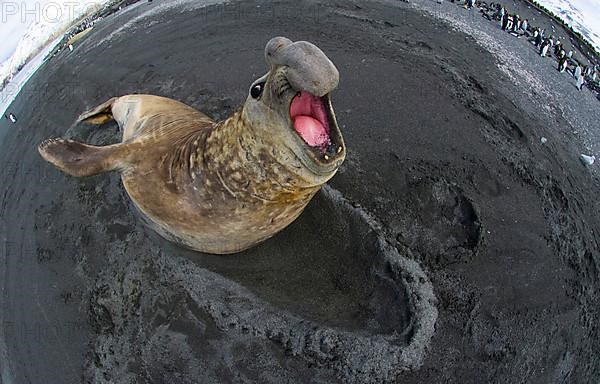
40, 29
8, 94
582, 15
36, 35
39, 36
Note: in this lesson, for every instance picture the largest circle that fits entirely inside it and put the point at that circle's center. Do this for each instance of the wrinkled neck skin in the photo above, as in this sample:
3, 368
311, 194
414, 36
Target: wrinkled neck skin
251, 166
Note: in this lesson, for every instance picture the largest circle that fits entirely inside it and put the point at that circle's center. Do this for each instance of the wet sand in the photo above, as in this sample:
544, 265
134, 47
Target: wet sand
452, 246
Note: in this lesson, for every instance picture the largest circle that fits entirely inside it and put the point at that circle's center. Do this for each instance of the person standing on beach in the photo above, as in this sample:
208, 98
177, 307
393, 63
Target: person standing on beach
504, 22
11, 117
544, 48
586, 70
577, 72
562, 64
580, 82
538, 39
515, 26
557, 48
524, 26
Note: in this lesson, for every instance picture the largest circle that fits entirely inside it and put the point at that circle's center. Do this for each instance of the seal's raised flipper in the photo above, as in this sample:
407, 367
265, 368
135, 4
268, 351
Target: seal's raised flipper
80, 159
100, 114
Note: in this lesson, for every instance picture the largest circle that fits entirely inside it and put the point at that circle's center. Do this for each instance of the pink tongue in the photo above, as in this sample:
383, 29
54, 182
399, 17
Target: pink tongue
310, 119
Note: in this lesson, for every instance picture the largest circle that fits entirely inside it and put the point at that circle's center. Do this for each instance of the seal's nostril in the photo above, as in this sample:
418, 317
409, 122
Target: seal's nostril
309, 69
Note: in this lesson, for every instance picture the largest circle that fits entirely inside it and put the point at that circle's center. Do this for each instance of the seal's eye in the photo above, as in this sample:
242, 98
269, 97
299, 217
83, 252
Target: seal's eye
257, 90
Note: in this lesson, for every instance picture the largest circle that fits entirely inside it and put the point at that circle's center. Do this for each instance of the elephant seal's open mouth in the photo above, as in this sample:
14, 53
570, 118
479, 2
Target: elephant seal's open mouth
314, 121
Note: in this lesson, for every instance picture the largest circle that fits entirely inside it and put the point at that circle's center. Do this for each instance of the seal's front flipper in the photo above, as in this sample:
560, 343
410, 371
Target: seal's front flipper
80, 159
100, 114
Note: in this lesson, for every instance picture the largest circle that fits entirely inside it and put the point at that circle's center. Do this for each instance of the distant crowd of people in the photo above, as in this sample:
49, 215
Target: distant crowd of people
565, 61
545, 43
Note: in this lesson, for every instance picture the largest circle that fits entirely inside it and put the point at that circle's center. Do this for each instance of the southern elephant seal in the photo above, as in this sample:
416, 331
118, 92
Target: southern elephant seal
222, 187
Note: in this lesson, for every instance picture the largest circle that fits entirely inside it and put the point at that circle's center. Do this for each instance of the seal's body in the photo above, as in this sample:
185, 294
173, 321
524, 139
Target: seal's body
222, 187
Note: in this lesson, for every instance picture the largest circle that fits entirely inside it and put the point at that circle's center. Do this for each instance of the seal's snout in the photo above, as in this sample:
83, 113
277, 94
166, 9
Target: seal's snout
301, 78
308, 68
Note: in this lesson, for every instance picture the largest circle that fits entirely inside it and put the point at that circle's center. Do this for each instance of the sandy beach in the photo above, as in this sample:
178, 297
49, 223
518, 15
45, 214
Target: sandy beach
453, 246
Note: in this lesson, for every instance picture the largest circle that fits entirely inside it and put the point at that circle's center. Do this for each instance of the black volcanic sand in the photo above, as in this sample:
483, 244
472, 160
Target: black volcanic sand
445, 186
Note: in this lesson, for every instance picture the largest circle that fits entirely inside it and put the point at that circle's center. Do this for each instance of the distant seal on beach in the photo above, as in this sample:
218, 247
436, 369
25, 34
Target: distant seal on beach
222, 187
